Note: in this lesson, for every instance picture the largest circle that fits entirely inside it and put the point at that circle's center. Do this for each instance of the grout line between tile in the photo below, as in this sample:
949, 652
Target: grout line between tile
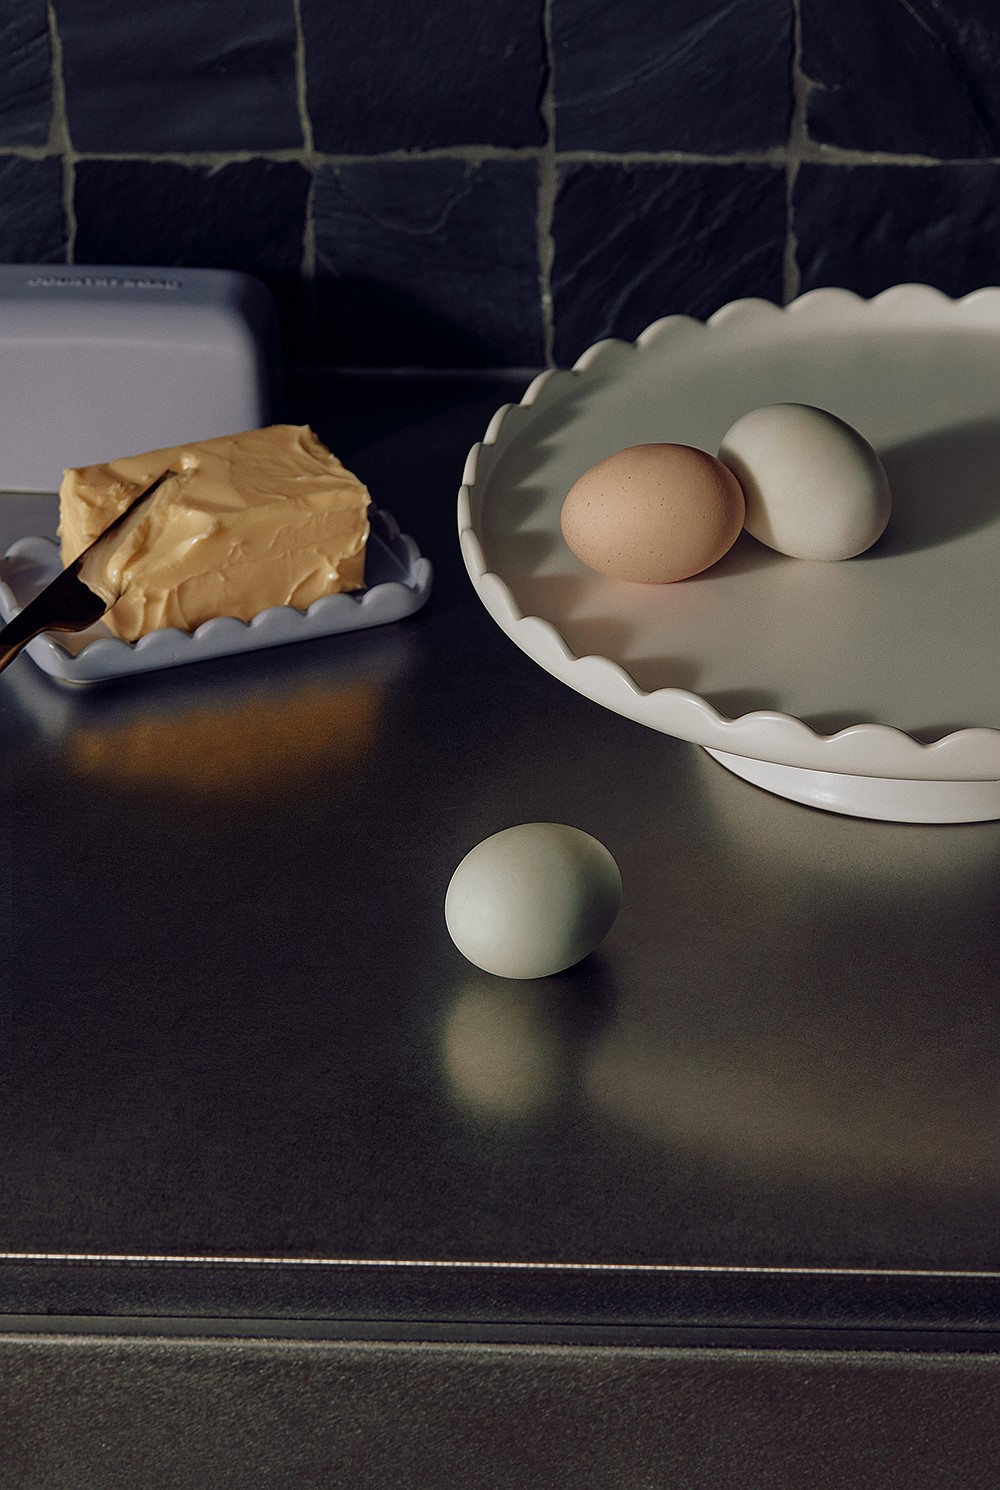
812, 151
774, 157
308, 261
309, 151
294, 155
547, 192
60, 142
301, 80
835, 155
791, 276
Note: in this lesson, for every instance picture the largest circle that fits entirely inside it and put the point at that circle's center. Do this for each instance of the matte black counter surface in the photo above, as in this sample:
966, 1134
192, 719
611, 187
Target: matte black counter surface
248, 1074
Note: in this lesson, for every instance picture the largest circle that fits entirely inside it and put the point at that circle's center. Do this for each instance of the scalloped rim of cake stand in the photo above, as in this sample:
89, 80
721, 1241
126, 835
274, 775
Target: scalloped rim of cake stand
867, 770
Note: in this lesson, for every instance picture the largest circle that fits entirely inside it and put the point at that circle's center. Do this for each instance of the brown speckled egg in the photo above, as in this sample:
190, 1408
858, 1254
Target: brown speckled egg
653, 513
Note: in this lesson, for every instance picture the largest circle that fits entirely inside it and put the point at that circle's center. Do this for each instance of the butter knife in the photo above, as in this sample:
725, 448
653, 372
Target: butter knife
68, 603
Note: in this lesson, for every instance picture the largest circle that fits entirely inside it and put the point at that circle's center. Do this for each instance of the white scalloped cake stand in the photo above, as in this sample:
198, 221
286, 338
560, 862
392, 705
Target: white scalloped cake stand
868, 687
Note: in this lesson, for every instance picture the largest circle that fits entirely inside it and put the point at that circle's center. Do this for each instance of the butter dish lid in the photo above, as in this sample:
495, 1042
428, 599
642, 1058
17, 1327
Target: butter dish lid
98, 362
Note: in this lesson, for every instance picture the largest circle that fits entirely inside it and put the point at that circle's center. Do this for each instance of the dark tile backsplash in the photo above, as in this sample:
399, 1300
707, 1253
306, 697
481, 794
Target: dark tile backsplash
502, 183
443, 73
180, 75
25, 73
898, 223
687, 75
249, 214
32, 220
918, 77
627, 235
429, 261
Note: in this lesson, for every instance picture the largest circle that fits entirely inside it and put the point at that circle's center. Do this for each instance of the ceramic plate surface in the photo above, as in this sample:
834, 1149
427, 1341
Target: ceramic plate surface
883, 666
398, 581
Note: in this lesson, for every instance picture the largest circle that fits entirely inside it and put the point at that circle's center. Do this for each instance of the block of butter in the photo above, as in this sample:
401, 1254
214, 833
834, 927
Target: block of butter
262, 518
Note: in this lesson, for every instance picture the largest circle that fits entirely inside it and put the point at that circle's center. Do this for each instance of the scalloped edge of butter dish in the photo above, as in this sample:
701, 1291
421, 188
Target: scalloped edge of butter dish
402, 586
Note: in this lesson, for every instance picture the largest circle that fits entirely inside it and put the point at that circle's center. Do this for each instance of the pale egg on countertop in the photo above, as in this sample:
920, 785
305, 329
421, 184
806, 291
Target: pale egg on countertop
814, 487
653, 513
532, 900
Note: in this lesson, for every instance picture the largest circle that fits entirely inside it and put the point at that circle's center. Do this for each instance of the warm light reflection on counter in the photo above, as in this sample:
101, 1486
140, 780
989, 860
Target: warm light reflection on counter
234, 749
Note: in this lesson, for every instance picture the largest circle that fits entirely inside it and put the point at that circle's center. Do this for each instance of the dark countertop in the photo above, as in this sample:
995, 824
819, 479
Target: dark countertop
249, 1077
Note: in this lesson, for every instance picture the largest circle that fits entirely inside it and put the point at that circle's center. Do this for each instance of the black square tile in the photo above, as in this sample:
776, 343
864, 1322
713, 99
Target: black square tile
25, 73
32, 220
697, 75
918, 77
176, 76
634, 243
428, 263
868, 227
401, 76
249, 215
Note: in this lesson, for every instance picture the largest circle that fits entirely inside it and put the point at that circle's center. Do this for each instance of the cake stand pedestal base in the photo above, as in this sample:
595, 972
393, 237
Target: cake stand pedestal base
887, 799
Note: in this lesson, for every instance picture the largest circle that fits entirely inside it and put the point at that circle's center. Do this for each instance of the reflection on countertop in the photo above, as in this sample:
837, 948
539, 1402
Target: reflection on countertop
224, 733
